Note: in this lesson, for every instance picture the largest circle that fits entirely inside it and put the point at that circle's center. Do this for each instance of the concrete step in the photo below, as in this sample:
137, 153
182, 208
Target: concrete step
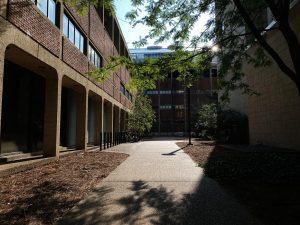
20, 157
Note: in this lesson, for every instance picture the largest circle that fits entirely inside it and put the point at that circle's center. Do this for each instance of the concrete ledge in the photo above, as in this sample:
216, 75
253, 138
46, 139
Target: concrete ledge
12, 168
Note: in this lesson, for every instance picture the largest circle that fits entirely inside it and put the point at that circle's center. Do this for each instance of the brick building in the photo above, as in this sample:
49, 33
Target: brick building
48, 102
274, 114
169, 99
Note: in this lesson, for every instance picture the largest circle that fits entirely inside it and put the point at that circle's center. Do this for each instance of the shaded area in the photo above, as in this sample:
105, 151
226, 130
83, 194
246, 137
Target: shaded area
265, 180
159, 204
44, 194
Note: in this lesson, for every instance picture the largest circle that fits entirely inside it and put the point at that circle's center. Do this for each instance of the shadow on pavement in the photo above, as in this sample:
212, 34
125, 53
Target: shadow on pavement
266, 182
159, 205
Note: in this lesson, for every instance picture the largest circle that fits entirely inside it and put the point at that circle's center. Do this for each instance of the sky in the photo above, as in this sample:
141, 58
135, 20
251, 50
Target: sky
133, 34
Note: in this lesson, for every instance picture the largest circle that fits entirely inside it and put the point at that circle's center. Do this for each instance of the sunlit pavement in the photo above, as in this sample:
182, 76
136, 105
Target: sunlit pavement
158, 184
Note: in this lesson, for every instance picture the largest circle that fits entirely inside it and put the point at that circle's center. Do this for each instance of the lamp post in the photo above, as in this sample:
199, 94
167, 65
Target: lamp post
189, 114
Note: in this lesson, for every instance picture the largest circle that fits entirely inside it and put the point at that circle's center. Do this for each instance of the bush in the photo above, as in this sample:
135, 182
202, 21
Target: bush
227, 126
232, 127
206, 125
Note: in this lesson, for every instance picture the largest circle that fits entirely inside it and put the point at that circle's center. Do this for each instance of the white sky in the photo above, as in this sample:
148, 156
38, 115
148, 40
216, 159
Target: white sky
133, 34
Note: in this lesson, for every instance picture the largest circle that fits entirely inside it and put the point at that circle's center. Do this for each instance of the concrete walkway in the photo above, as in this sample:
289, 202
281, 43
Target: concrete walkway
158, 184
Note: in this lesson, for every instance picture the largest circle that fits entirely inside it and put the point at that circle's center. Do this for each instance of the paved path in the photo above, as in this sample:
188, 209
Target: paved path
158, 184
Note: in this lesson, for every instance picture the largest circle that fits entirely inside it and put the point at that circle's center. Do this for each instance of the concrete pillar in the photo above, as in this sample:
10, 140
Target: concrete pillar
91, 120
2, 57
52, 117
99, 118
81, 126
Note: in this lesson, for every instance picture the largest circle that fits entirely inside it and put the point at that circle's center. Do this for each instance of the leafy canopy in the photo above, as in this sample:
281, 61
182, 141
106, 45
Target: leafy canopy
234, 25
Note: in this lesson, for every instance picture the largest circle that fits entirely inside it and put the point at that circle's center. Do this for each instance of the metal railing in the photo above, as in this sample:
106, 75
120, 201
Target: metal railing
109, 139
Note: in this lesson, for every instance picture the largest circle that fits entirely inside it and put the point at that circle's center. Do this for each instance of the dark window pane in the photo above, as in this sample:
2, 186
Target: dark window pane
52, 11
71, 32
214, 72
66, 27
42, 5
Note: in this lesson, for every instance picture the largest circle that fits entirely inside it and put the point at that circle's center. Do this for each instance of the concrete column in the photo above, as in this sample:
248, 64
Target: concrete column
99, 118
81, 126
2, 57
102, 117
52, 117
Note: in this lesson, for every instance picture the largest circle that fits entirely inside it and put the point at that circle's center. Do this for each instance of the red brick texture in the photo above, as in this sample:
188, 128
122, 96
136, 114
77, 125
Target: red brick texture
97, 31
82, 20
73, 57
28, 18
24, 15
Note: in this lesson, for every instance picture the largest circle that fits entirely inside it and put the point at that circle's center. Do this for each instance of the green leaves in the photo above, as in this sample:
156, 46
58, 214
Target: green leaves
142, 116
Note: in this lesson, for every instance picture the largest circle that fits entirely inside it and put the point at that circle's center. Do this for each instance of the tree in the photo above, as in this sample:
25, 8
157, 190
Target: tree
142, 116
206, 124
234, 25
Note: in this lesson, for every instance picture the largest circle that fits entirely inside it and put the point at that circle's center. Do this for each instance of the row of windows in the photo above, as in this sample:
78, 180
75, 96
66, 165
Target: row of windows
74, 35
165, 107
163, 92
170, 107
94, 57
48, 8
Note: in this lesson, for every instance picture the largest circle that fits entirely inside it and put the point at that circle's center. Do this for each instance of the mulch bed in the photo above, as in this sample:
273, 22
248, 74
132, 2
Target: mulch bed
45, 193
265, 181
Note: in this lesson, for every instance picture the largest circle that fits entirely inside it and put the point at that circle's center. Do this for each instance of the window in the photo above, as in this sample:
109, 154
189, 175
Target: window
94, 57
152, 92
179, 107
122, 89
214, 72
73, 33
165, 107
48, 8
165, 92
127, 93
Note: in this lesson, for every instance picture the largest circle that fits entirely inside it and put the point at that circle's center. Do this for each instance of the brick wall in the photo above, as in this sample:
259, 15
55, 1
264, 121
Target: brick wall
274, 116
97, 31
82, 20
27, 17
73, 57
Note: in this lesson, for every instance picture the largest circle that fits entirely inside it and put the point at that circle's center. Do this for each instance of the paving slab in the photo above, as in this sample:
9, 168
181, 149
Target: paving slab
158, 184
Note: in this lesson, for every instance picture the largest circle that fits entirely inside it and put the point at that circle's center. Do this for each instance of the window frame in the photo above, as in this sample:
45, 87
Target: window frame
82, 38
35, 2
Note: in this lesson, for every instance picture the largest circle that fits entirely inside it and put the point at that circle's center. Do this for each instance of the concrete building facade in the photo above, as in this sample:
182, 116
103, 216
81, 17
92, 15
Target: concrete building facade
169, 99
47, 100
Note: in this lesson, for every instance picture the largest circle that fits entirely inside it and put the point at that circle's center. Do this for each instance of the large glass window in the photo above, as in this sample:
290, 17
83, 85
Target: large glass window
48, 8
66, 26
94, 57
73, 33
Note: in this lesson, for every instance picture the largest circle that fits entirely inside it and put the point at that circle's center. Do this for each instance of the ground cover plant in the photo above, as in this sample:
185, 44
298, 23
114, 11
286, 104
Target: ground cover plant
45, 193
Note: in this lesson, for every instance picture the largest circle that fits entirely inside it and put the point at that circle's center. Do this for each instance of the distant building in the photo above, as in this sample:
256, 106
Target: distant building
169, 98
